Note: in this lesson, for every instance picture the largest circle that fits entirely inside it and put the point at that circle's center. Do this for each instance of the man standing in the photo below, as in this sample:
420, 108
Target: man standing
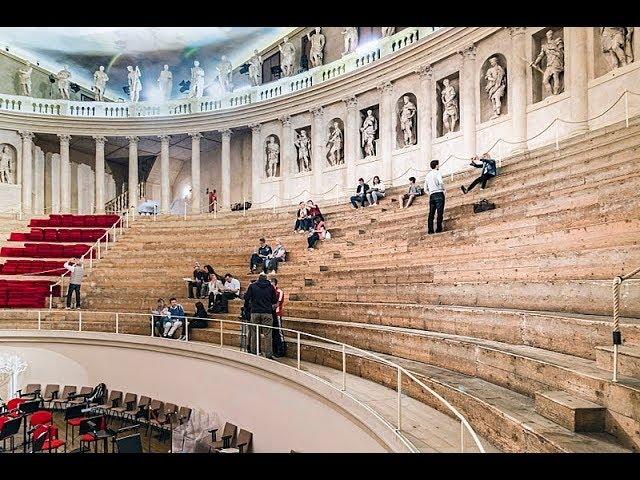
435, 186
74, 265
278, 336
488, 167
260, 255
263, 299
361, 193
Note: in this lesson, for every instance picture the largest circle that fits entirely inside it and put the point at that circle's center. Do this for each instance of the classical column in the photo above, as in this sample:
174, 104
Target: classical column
226, 168
386, 130
165, 187
425, 111
578, 79
65, 174
317, 149
517, 89
257, 163
468, 97
195, 171
287, 159
100, 200
133, 172
27, 171
351, 139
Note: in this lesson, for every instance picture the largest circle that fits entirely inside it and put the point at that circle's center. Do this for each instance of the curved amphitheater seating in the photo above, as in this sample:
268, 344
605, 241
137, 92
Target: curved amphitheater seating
506, 314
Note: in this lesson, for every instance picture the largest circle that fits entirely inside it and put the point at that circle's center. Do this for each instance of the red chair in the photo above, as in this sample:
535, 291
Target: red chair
90, 438
12, 407
45, 438
41, 417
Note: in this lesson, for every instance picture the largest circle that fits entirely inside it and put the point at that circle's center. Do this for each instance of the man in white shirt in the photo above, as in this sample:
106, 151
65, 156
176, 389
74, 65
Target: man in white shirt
434, 185
231, 287
74, 266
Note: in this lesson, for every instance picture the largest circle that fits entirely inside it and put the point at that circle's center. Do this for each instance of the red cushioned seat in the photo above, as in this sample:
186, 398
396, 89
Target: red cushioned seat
55, 220
64, 235
19, 236
75, 235
67, 220
78, 221
50, 235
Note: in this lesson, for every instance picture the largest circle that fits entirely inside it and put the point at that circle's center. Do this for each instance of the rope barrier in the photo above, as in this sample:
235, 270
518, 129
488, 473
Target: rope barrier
617, 337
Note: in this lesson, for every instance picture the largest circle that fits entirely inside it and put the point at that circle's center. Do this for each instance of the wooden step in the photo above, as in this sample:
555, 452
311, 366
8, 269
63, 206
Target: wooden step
570, 411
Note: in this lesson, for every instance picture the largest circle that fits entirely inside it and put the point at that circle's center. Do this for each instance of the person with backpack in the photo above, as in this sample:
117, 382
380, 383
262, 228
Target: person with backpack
489, 171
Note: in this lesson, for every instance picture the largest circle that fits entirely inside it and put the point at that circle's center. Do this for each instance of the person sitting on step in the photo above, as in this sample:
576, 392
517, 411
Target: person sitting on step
161, 316
316, 233
259, 255
176, 317
231, 287
414, 191
200, 276
376, 192
272, 260
314, 210
303, 220
361, 194
215, 290
489, 171
198, 320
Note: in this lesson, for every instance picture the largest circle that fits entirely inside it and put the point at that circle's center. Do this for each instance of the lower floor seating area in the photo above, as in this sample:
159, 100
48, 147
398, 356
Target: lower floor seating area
26, 293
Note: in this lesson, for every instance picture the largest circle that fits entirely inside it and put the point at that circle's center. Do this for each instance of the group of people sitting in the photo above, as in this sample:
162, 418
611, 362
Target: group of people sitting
268, 258
218, 289
310, 220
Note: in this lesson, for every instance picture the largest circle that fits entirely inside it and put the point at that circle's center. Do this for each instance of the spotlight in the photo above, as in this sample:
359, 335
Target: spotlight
74, 87
244, 68
185, 86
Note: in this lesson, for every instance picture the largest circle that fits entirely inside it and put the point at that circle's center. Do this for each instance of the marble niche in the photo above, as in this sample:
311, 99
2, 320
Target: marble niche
548, 58
448, 104
302, 143
407, 120
493, 88
612, 48
335, 143
369, 131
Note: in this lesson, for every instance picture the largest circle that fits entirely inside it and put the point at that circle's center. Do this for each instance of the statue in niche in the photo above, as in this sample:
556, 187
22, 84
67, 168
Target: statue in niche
350, 40
165, 82
553, 51
334, 155
100, 79
255, 69
408, 120
316, 52
496, 85
6, 172
273, 156
449, 97
24, 77
369, 129
63, 77
135, 85
225, 69
388, 31
617, 45
287, 56
303, 142
197, 81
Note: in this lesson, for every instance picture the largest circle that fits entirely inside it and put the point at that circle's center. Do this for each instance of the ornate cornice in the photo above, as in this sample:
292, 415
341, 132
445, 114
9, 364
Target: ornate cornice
386, 87
468, 52
255, 128
25, 134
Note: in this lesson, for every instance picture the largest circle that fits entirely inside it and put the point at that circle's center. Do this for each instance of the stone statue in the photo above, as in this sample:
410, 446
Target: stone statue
617, 45
496, 85
316, 52
165, 82
287, 56
388, 31
449, 98
334, 155
135, 85
25, 79
350, 40
553, 50
407, 120
255, 69
273, 156
6, 172
303, 142
369, 129
100, 79
224, 74
197, 80
63, 77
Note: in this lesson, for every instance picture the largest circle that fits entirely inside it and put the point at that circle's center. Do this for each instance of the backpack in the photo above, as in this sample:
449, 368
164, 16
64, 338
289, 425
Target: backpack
483, 205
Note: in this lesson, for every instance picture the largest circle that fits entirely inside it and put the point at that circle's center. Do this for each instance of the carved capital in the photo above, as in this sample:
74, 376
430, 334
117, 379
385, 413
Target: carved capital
100, 140
195, 135
164, 138
351, 102
468, 52
226, 133
317, 112
386, 87
132, 139
26, 135
286, 120
516, 30
425, 71
255, 128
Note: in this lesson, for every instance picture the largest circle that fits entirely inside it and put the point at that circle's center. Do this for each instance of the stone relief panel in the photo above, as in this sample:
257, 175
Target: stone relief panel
335, 143
613, 48
448, 104
302, 143
493, 87
548, 64
407, 124
369, 131
7, 164
272, 156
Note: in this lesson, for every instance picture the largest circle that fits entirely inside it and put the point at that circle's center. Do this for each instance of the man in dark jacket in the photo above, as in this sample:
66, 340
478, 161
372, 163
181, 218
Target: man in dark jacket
263, 299
200, 277
488, 167
361, 193
259, 256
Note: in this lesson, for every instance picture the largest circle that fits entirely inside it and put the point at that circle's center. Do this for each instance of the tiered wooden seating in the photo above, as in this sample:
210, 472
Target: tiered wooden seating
499, 313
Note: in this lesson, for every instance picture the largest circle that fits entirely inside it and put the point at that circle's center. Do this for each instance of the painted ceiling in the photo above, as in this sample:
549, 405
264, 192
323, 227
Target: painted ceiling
84, 49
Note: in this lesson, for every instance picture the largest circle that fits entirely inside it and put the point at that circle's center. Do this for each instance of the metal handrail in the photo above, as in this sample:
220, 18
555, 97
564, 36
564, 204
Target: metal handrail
617, 336
83, 317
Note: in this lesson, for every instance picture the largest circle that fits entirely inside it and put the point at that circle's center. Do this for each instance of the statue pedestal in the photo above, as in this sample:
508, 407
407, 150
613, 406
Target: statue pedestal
9, 198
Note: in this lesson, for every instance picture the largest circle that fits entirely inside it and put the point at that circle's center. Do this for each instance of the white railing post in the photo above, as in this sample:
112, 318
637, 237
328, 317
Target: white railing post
152, 332
79, 321
117, 323
344, 367
298, 350
337, 193
39, 320
99, 256
50, 298
186, 329
399, 399
221, 339
274, 204
626, 107
91, 258
461, 437
215, 209
244, 205
258, 339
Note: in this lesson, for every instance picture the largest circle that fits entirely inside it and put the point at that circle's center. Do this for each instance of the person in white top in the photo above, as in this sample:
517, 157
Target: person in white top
231, 287
434, 185
376, 191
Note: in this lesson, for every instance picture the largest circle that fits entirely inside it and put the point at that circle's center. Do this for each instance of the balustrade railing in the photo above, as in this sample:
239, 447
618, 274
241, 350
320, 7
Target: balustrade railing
120, 203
